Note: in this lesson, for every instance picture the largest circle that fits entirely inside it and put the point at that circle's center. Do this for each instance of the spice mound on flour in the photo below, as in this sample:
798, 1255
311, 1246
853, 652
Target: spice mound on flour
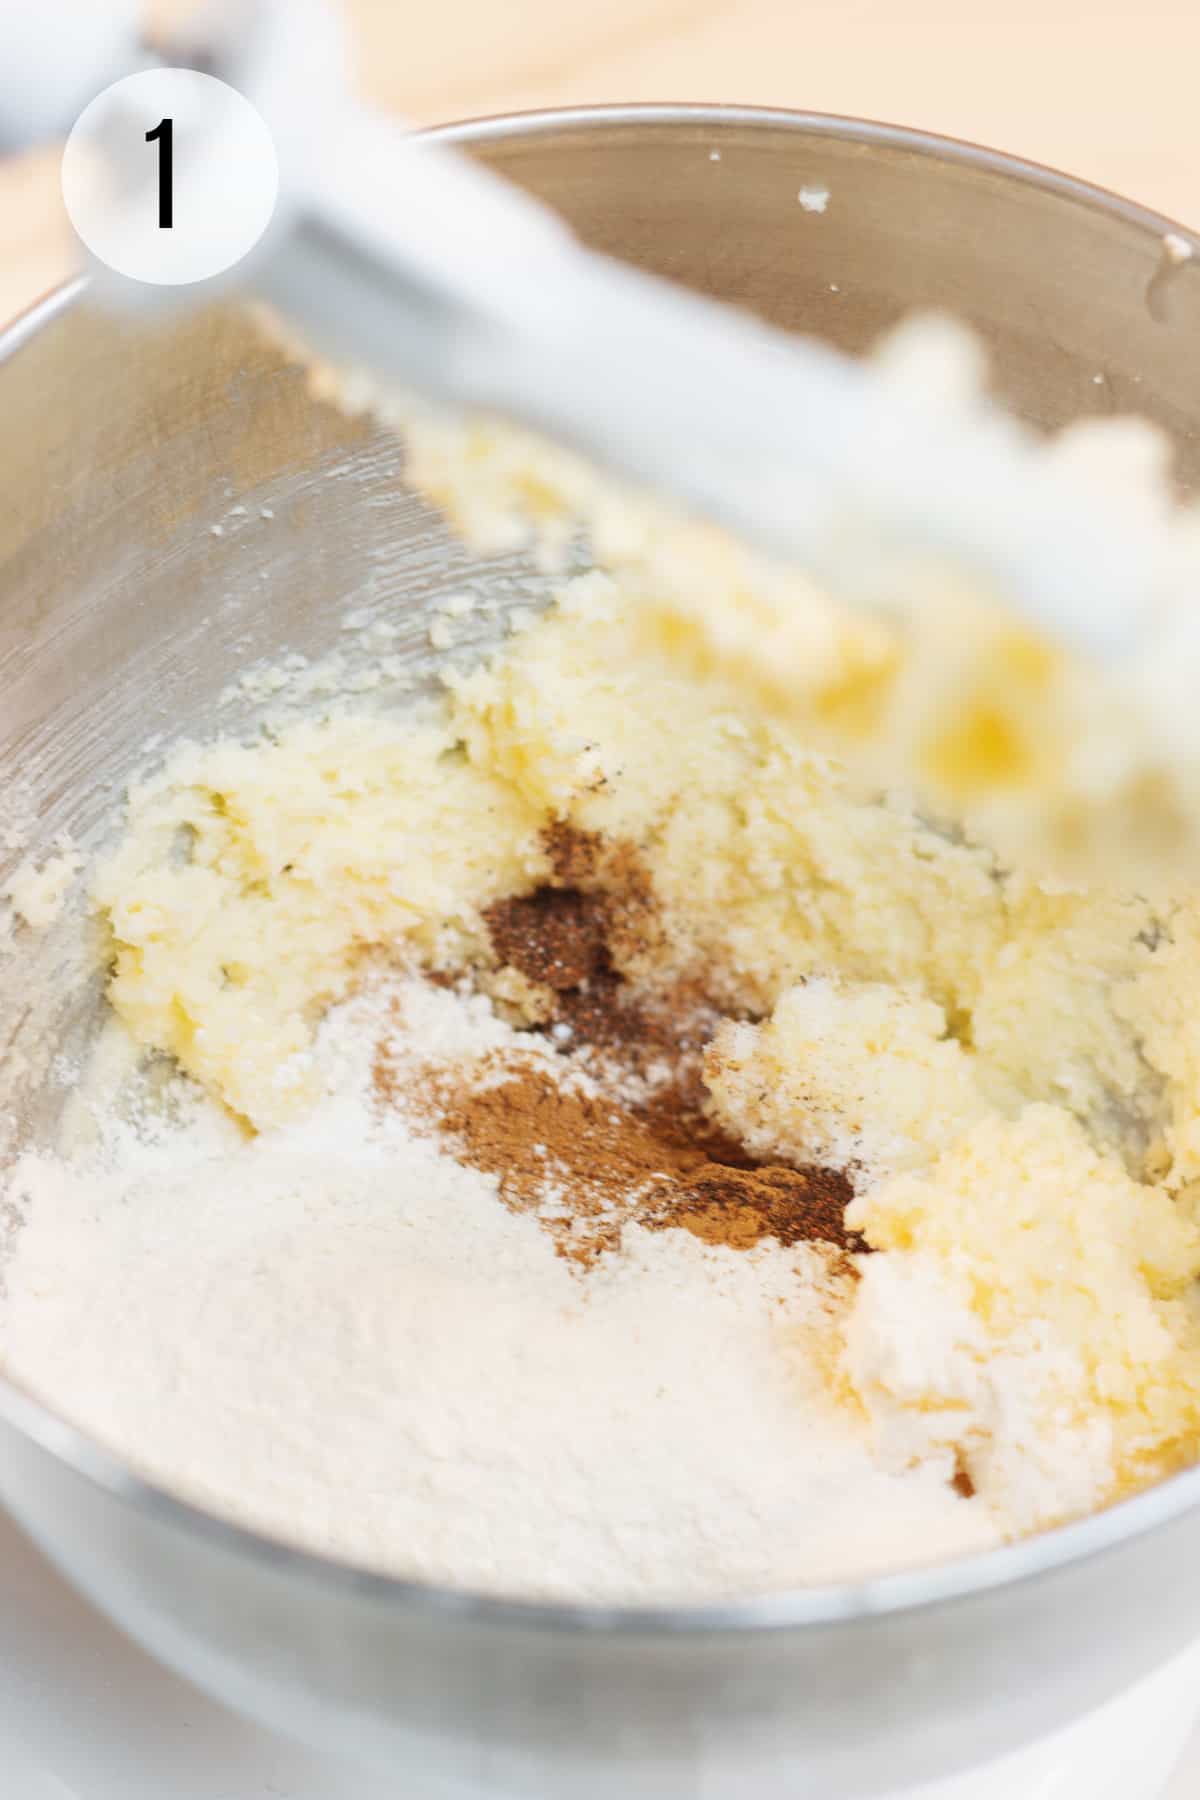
612, 1126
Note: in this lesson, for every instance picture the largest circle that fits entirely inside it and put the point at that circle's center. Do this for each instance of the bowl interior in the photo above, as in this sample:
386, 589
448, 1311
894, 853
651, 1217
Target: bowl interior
178, 512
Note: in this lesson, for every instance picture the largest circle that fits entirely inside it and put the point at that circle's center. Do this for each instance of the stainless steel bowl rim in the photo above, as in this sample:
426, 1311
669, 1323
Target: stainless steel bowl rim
789, 1610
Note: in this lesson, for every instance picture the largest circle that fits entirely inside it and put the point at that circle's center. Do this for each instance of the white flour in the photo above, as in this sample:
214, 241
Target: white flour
338, 1334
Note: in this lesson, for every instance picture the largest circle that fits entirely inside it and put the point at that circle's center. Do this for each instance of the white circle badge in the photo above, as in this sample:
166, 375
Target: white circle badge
170, 176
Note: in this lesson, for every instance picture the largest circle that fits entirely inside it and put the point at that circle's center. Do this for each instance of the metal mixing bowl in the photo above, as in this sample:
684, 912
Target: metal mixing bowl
123, 616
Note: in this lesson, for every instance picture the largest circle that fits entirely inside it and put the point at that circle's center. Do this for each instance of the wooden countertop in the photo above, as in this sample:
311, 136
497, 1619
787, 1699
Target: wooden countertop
1106, 90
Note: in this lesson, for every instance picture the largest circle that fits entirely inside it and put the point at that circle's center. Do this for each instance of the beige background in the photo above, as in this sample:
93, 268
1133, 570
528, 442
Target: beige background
1106, 89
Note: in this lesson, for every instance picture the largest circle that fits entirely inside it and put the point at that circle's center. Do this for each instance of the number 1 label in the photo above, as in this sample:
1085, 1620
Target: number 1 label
164, 136
227, 168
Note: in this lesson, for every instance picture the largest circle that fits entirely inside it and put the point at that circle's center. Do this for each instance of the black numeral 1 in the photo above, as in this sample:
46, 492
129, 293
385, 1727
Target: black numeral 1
163, 136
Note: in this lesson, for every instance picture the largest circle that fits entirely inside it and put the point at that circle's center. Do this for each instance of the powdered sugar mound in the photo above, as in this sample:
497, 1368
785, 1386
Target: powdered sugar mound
337, 1333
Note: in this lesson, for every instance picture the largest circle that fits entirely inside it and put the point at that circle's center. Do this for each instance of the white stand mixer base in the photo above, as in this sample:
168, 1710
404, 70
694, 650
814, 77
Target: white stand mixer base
85, 1715
1126, 1751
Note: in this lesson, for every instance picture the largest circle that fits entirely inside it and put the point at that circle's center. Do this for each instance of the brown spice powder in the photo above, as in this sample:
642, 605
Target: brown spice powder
555, 936
740, 1206
565, 938
613, 1145
614, 1162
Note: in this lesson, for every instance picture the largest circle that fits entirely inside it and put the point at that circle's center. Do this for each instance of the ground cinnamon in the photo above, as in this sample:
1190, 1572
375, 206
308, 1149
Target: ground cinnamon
740, 1206
607, 1161
615, 1131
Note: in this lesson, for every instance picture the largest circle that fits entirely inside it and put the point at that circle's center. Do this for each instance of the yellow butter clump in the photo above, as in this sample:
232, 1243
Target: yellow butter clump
1027, 1318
